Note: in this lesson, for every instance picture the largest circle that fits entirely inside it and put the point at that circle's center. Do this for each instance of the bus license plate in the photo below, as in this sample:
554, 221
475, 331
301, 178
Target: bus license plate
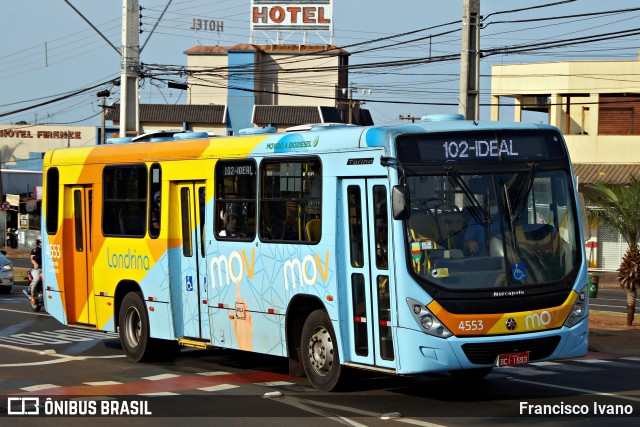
513, 359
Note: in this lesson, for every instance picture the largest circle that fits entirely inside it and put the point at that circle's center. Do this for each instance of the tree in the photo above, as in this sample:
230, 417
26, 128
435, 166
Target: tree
620, 210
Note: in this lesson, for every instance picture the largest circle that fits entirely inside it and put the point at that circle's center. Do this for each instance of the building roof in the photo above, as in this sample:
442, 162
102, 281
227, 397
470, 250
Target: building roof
294, 114
285, 49
607, 173
165, 113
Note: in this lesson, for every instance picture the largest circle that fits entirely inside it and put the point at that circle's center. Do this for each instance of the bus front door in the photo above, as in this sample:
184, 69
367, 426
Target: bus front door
365, 233
187, 266
76, 247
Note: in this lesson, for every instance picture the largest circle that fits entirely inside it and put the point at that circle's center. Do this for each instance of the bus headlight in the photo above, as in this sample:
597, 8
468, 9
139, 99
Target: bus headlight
578, 310
427, 321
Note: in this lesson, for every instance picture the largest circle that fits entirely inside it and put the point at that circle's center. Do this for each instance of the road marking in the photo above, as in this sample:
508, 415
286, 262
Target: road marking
26, 312
61, 358
546, 364
581, 390
40, 387
218, 387
159, 394
213, 373
273, 383
160, 377
99, 383
306, 405
592, 361
61, 336
633, 359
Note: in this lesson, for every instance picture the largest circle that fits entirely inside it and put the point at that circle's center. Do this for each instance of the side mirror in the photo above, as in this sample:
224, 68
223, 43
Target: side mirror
586, 229
400, 202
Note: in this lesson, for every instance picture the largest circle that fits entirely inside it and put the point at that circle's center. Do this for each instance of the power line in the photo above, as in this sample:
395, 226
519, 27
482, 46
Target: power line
60, 98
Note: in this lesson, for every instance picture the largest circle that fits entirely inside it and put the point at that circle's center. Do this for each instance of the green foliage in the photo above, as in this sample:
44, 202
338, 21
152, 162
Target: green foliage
619, 208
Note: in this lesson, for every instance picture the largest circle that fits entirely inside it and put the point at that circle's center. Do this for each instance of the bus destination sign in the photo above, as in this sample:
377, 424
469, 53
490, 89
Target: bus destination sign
481, 147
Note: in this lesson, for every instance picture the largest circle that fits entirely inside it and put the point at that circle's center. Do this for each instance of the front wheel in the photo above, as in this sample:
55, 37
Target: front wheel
320, 356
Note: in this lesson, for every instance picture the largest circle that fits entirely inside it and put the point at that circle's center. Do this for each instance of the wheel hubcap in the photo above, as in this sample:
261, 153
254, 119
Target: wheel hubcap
321, 351
133, 327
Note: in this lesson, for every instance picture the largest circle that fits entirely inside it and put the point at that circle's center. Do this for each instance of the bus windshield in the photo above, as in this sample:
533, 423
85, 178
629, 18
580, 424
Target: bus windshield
480, 231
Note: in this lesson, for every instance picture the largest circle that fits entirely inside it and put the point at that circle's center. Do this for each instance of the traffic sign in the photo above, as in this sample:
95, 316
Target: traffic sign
5, 206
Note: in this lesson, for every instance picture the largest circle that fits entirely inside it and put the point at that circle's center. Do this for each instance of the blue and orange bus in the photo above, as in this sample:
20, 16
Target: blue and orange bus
442, 245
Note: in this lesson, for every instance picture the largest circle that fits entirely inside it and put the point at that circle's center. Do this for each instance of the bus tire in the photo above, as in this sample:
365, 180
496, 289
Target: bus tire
133, 328
471, 374
319, 352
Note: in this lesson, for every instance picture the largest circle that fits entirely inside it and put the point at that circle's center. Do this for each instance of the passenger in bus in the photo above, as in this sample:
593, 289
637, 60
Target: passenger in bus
229, 221
477, 234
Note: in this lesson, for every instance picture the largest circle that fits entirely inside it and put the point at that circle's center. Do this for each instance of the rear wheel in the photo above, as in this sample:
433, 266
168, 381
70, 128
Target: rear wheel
134, 327
320, 356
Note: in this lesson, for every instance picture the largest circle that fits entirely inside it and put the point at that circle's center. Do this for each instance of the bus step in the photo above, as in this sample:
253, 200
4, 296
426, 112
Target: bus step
85, 326
186, 342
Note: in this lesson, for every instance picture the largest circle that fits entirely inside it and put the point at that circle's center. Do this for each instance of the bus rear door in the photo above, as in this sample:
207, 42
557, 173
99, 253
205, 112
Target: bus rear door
187, 266
365, 230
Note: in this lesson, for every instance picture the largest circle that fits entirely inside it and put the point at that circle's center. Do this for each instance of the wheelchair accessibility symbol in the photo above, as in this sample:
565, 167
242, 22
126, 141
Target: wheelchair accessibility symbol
519, 272
189, 283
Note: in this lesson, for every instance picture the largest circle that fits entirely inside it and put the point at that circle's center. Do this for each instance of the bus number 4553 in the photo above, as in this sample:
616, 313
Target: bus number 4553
471, 325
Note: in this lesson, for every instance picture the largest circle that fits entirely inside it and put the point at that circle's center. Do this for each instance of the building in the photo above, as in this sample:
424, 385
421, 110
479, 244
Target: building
596, 104
21, 149
246, 85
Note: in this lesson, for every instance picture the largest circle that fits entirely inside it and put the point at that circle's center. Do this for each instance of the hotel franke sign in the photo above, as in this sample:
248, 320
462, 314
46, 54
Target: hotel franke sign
291, 15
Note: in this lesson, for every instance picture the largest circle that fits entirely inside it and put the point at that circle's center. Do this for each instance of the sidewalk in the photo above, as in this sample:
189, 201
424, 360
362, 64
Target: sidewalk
608, 332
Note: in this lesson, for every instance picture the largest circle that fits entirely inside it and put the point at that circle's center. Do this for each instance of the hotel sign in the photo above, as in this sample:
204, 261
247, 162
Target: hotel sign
288, 15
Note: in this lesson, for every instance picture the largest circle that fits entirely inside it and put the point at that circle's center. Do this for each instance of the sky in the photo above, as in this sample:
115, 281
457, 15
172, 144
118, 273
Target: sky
49, 51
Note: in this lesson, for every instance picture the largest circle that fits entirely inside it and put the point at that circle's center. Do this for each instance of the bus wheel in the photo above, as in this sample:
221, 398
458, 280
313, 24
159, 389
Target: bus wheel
471, 374
134, 327
320, 356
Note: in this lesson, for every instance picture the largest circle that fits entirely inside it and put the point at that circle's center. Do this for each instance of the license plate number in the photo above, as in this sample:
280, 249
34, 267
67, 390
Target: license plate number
513, 359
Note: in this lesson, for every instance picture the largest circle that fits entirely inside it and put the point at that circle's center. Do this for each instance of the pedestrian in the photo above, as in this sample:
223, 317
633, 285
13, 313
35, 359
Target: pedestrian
36, 264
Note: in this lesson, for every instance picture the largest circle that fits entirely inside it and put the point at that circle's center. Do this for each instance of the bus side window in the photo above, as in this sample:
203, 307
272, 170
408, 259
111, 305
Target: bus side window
291, 200
124, 200
155, 200
235, 200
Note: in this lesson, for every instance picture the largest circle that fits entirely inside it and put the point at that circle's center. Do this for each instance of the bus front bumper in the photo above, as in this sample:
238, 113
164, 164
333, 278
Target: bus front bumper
431, 354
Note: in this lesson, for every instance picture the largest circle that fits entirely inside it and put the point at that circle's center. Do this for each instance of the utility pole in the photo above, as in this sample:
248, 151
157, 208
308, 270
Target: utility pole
469, 100
130, 69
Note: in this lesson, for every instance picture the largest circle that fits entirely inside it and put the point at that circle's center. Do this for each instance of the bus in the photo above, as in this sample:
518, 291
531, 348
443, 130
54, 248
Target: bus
336, 247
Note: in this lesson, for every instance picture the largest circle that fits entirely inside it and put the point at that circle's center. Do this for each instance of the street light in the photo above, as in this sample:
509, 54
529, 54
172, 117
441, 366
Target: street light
176, 85
103, 94
351, 102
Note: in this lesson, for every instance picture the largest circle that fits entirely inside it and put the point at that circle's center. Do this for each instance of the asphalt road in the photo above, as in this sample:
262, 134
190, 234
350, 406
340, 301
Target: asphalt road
614, 300
41, 359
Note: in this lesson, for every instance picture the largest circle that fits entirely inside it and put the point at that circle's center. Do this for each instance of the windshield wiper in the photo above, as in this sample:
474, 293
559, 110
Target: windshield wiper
511, 218
523, 193
457, 179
